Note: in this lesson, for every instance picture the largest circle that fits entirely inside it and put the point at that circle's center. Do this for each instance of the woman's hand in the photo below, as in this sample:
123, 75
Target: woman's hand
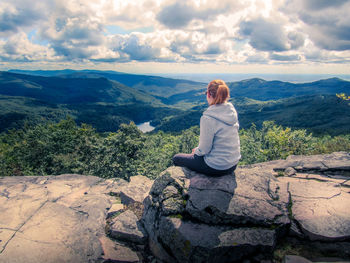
193, 150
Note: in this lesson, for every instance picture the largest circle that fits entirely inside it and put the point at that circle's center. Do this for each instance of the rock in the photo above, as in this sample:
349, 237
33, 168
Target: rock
319, 196
338, 162
115, 208
320, 207
136, 190
295, 259
289, 171
193, 242
127, 227
188, 215
53, 218
191, 217
117, 252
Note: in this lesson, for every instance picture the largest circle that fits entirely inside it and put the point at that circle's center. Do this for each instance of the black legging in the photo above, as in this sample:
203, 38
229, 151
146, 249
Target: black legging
196, 163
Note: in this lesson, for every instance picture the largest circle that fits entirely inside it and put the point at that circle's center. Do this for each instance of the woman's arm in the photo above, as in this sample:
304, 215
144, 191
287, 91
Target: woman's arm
206, 136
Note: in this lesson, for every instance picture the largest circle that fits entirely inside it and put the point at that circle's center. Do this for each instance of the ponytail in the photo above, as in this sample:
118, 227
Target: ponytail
219, 91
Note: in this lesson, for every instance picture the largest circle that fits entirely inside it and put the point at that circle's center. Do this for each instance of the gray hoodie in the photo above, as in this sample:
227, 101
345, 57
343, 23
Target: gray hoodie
219, 139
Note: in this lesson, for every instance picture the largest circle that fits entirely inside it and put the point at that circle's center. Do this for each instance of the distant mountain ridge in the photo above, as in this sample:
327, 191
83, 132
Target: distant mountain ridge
104, 100
151, 84
317, 113
70, 90
101, 102
175, 91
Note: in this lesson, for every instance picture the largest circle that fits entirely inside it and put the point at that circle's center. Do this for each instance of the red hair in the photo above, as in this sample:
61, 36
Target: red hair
219, 91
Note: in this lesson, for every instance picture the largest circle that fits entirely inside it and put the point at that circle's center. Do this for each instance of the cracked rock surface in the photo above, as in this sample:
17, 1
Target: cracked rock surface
191, 217
54, 218
195, 218
320, 196
185, 217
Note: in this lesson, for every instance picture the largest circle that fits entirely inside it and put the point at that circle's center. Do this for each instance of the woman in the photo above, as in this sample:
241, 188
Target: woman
218, 151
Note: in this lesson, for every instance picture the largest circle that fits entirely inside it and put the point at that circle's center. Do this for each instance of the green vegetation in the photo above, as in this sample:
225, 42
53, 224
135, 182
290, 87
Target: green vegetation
106, 99
318, 114
65, 147
39, 139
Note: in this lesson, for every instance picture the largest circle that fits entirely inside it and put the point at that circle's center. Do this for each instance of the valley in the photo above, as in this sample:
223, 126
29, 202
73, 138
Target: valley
106, 99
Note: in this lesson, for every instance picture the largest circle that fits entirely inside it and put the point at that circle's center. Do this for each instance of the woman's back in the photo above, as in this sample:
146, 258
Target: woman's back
218, 151
219, 141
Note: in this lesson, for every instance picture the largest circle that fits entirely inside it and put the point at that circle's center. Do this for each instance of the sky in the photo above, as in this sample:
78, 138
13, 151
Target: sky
167, 36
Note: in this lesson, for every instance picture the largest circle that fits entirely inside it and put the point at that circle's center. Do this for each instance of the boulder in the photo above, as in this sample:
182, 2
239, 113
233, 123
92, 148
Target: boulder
126, 227
136, 190
191, 217
114, 251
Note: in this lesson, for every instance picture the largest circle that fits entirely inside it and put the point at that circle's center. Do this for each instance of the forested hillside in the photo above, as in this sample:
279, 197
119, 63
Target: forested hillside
320, 114
95, 98
154, 85
64, 147
83, 122
101, 102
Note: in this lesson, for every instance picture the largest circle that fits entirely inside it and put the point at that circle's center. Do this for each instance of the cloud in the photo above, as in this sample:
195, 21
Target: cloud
179, 14
176, 15
322, 4
327, 23
279, 57
257, 58
16, 15
266, 35
194, 31
197, 46
19, 48
130, 15
131, 47
72, 32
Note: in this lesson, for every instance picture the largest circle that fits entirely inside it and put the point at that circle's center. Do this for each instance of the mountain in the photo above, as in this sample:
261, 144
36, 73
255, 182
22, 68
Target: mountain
153, 85
317, 113
101, 102
71, 90
189, 93
15, 111
263, 90
272, 90
43, 73
96, 98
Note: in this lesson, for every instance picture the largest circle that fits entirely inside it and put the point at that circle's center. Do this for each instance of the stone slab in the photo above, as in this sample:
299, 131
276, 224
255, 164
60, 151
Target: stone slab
114, 251
53, 218
127, 227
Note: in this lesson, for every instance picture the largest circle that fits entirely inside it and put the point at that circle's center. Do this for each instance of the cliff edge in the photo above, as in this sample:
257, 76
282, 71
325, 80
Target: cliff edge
258, 214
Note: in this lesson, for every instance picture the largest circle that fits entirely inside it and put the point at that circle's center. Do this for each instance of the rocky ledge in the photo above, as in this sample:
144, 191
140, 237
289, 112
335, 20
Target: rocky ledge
261, 213
190, 217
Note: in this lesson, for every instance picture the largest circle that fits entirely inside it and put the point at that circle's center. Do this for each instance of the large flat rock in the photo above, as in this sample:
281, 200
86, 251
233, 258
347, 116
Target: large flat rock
53, 218
320, 207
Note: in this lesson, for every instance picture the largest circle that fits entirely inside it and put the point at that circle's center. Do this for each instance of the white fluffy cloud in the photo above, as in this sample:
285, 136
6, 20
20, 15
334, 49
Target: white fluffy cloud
194, 31
327, 23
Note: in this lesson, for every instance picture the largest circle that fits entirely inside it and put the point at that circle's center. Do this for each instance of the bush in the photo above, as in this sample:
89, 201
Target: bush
64, 147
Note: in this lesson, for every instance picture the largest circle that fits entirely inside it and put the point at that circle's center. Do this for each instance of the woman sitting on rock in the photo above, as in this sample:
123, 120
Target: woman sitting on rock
218, 151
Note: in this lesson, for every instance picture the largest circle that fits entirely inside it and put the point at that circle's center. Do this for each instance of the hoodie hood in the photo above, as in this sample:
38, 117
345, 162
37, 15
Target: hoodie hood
224, 112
